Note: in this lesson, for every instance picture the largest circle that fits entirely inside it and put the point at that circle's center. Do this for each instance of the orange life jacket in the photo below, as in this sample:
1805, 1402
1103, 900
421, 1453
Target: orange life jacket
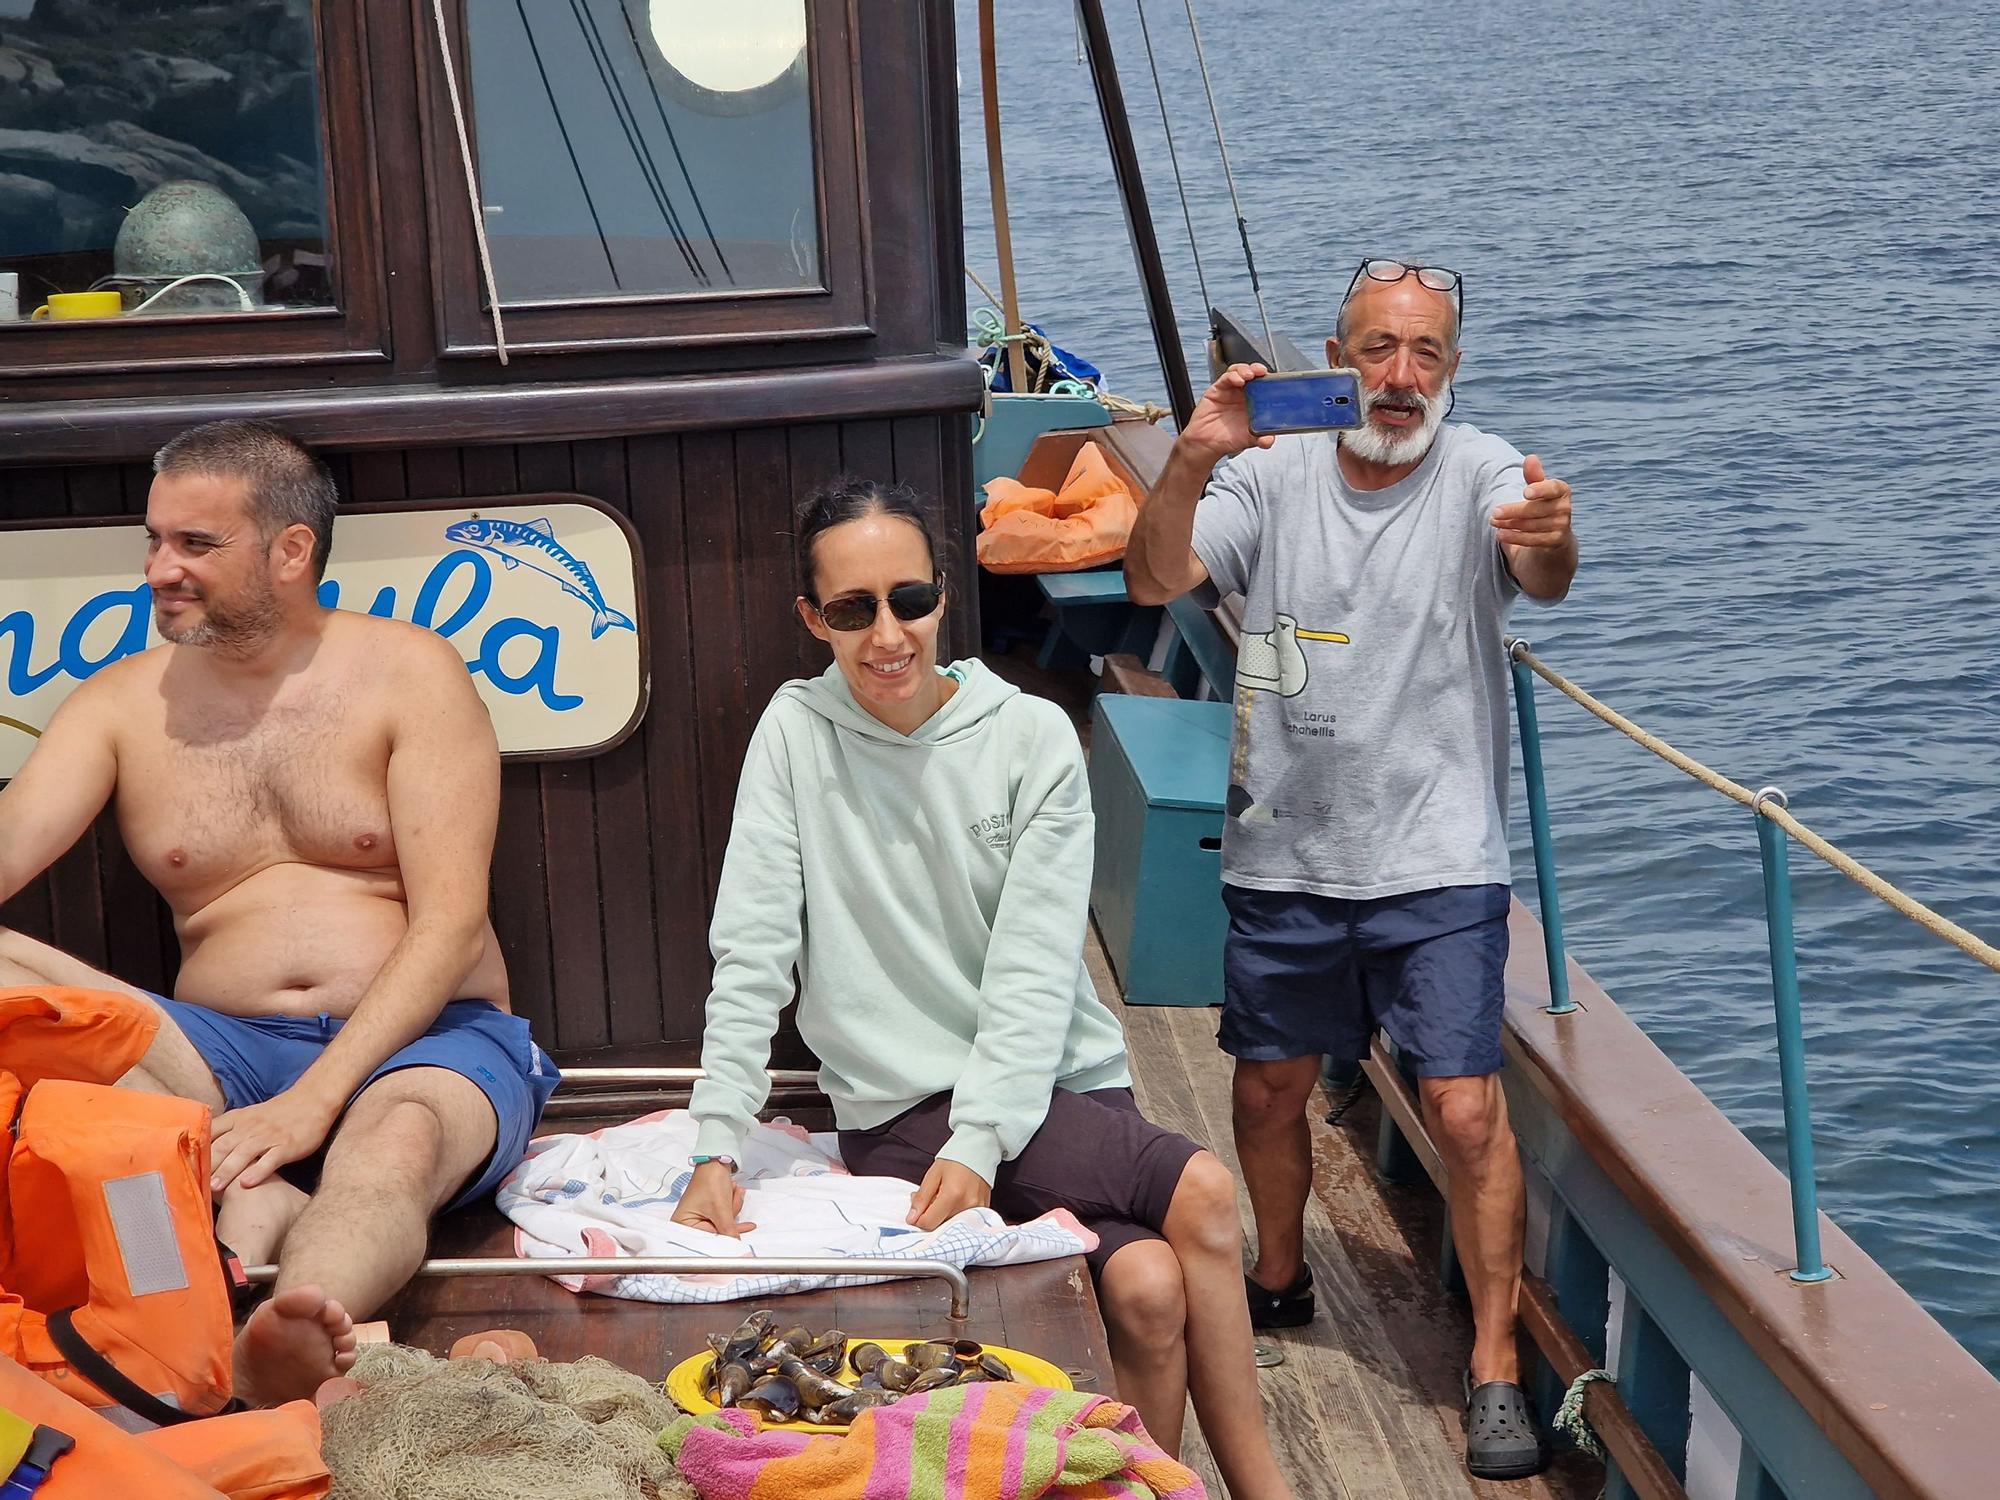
1084, 524
112, 1287
254, 1455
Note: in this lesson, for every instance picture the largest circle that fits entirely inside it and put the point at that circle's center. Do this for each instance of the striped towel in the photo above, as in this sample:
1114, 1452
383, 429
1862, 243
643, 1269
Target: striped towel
971, 1442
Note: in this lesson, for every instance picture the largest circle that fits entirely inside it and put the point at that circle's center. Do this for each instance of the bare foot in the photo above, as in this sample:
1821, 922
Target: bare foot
290, 1345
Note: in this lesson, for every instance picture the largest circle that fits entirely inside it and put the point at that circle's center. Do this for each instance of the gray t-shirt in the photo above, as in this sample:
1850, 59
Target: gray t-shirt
1370, 754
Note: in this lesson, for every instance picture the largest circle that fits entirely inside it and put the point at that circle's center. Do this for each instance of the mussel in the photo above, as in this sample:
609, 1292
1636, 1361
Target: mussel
773, 1398
732, 1381
815, 1390
934, 1378
748, 1337
791, 1341
866, 1356
833, 1339
895, 1374
930, 1354
849, 1407
995, 1368
827, 1353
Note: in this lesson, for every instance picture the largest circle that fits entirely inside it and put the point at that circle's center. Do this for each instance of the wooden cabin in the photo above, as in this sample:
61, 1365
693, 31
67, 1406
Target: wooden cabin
715, 290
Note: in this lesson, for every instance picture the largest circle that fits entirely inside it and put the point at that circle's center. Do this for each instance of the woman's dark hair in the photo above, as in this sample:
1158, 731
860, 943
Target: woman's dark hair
845, 499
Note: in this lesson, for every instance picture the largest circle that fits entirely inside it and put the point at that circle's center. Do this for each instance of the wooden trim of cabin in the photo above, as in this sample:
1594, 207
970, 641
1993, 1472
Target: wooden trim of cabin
1900, 1399
98, 431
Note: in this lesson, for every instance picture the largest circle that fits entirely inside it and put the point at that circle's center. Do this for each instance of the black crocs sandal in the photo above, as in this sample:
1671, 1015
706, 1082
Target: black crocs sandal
1291, 1308
1503, 1439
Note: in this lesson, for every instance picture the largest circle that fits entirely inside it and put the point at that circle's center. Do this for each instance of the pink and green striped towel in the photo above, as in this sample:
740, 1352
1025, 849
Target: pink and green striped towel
972, 1442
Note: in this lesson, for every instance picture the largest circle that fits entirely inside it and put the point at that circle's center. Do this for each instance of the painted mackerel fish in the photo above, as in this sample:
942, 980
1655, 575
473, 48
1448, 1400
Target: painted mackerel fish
533, 544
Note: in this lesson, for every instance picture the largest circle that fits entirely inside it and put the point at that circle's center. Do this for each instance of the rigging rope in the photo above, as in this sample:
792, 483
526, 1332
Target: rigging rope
628, 122
991, 331
1173, 156
1242, 225
472, 179
1765, 805
660, 107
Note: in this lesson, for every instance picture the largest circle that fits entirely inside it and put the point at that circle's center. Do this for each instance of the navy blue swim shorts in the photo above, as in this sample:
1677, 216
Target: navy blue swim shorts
255, 1058
1306, 976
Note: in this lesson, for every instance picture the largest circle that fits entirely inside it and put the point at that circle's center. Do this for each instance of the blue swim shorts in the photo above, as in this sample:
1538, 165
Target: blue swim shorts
255, 1058
1306, 975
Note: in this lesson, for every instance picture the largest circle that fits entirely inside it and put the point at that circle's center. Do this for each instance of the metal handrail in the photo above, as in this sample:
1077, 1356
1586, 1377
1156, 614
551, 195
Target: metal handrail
1774, 849
882, 1266
576, 1077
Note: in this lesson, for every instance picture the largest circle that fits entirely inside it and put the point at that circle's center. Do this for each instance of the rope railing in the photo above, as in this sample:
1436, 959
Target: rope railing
1774, 823
1772, 808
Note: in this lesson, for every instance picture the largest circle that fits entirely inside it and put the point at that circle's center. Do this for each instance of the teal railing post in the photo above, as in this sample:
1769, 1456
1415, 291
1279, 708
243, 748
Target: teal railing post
1560, 1003
1776, 849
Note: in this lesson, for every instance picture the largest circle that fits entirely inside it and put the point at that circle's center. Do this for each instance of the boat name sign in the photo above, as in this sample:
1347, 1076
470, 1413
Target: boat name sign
540, 596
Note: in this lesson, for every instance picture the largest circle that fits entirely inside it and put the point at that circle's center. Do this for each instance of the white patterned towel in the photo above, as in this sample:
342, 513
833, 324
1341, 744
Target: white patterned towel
613, 1193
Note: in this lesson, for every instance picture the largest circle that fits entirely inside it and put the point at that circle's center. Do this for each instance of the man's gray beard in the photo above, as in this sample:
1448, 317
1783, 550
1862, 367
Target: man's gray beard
1377, 446
236, 631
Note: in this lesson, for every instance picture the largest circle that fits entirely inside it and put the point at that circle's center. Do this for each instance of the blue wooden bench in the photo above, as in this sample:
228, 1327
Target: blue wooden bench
1159, 780
1091, 615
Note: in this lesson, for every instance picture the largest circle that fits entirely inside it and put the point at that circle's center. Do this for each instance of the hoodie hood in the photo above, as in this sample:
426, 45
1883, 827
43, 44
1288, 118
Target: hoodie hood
980, 695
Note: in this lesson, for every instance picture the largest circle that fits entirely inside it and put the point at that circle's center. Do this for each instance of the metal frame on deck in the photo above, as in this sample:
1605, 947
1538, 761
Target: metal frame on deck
855, 1269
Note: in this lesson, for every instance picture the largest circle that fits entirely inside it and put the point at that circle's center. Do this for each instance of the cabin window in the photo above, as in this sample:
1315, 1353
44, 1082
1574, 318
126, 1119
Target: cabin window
641, 147
142, 144
165, 172
650, 172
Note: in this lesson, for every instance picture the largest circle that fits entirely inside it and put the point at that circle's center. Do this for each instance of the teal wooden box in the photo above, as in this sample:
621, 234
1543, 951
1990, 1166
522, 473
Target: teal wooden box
1159, 772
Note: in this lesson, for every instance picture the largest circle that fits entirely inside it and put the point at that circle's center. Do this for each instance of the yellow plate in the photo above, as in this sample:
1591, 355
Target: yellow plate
684, 1381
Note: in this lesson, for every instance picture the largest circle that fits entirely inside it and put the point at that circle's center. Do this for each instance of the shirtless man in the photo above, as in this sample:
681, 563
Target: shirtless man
314, 792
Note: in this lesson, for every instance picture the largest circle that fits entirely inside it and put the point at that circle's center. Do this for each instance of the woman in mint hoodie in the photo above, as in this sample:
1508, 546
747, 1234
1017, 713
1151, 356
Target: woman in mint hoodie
916, 843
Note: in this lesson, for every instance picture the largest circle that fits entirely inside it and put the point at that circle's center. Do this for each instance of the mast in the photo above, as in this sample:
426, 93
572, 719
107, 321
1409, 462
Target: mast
1138, 214
996, 176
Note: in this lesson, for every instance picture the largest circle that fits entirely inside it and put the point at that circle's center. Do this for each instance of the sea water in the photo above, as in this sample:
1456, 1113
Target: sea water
1731, 270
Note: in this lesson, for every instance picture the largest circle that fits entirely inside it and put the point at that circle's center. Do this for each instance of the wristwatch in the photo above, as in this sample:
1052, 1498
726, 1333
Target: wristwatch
702, 1161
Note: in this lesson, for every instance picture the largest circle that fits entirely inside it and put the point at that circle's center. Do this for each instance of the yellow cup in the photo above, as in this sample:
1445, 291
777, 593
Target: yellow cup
81, 305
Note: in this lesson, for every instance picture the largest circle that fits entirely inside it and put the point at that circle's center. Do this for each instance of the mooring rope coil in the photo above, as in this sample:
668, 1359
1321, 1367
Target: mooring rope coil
1569, 1419
1767, 804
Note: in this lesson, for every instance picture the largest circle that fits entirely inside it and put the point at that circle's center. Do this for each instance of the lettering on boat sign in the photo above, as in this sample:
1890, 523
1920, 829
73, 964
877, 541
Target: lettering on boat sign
540, 594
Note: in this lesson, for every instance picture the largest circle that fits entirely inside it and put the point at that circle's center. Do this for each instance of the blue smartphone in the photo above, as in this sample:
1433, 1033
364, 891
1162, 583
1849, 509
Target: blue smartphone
1304, 401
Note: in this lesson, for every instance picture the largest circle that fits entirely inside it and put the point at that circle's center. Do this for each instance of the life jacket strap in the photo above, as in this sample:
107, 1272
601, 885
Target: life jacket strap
111, 1380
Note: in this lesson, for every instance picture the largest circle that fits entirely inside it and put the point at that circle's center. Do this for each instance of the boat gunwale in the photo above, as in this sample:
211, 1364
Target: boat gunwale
1902, 1400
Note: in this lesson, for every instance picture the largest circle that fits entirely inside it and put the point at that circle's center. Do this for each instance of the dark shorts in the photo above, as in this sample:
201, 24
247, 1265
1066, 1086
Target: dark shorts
1119, 1185
1306, 976
255, 1058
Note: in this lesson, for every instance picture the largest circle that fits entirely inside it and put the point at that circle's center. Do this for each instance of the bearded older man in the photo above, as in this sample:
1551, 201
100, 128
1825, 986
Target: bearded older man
1365, 861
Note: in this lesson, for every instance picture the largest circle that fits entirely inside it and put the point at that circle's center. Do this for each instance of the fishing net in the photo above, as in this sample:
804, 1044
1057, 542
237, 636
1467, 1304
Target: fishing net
423, 1428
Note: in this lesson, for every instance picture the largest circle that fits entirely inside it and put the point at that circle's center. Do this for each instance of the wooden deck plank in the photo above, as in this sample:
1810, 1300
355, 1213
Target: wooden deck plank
1376, 1373
1328, 1439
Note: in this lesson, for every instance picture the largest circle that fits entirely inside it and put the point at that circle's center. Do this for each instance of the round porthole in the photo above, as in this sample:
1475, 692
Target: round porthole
737, 59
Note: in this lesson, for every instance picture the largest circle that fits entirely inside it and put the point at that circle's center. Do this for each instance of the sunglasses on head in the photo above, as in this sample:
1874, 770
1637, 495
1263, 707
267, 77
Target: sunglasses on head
906, 601
1437, 278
